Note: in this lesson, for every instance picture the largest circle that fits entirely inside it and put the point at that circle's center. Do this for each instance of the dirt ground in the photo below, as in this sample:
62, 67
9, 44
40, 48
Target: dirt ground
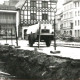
26, 64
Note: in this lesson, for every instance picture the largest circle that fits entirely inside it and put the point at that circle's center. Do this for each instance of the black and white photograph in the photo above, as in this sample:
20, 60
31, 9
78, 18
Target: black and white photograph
39, 39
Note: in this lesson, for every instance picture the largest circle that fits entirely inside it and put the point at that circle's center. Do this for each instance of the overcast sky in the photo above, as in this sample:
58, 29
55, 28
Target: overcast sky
60, 2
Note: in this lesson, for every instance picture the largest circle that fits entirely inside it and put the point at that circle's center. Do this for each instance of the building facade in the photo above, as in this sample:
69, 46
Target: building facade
59, 19
8, 21
35, 11
71, 18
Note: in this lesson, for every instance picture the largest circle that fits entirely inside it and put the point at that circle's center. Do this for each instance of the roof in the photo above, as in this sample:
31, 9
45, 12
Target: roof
54, 1
5, 7
21, 2
76, 0
67, 1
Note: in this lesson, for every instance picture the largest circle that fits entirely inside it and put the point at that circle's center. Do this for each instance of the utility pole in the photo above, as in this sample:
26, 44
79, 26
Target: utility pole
11, 38
54, 25
54, 32
6, 37
16, 38
39, 35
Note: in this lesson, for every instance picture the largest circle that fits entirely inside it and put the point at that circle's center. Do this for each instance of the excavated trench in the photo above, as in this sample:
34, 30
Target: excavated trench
25, 64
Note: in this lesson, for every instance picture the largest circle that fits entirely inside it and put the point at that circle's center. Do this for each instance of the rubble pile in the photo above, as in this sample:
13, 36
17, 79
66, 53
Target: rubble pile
25, 64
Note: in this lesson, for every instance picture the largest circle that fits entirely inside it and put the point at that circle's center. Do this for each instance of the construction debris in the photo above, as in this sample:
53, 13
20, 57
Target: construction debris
26, 64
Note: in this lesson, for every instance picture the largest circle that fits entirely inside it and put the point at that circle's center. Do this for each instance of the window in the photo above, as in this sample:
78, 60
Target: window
70, 32
79, 33
71, 15
75, 13
78, 4
44, 4
78, 22
33, 3
33, 16
71, 24
75, 23
75, 33
75, 4
44, 16
78, 13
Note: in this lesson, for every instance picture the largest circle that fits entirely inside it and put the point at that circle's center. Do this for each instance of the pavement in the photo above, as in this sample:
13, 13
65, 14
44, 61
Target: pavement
65, 51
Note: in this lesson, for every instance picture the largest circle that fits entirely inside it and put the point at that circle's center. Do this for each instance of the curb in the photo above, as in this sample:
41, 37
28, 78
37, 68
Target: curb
69, 46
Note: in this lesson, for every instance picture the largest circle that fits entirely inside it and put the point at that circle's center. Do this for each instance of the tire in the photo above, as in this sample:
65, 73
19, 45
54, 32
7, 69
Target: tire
31, 40
30, 44
48, 43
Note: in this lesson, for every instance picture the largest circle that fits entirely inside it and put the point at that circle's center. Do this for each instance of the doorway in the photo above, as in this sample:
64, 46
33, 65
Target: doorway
25, 34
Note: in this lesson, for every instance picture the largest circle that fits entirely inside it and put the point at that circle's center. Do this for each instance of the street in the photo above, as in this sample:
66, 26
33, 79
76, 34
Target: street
70, 52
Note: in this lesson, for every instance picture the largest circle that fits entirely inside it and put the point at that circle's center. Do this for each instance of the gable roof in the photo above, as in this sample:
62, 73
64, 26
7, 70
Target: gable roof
21, 3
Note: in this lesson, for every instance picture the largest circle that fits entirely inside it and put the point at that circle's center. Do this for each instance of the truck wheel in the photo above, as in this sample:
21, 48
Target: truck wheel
30, 43
31, 40
48, 43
